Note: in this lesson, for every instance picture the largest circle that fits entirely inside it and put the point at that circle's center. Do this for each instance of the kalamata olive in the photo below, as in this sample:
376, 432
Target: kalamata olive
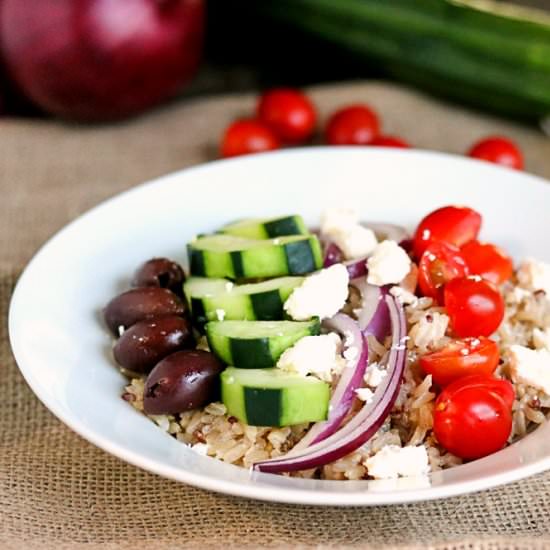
139, 304
182, 381
160, 272
145, 343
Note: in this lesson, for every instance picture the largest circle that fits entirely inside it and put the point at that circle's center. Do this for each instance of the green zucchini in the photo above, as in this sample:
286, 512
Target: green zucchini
485, 53
220, 299
256, 344
267, 228
241, 258
272, 397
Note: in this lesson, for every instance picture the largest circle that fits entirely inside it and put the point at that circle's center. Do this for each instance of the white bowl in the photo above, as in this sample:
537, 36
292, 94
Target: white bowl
64, 352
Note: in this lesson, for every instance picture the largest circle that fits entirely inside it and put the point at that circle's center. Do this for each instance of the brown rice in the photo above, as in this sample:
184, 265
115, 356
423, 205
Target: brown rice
212, 431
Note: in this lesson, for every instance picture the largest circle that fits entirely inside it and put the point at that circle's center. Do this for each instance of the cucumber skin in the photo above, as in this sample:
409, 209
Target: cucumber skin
497, 62
256, 353
295, 258
287, 406
266, 305
278, 227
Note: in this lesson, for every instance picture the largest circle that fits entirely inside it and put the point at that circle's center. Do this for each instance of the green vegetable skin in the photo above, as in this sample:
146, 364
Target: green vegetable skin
238, 257
480, 52
262, 301
269, 228
256, 344
271, 397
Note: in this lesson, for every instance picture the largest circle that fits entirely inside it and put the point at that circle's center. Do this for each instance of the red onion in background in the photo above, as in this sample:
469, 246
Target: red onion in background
101, 59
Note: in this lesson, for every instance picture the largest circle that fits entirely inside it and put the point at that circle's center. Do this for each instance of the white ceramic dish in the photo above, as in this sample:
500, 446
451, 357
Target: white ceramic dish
64, 352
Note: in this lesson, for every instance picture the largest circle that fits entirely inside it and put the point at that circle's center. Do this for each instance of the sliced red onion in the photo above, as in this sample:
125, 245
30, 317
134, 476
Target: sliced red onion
388, 231
366, 422
357, 268
373, 318
350, 380
333, 255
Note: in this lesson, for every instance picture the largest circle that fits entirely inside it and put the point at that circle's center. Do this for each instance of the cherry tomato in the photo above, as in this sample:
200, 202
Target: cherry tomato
461, 358
289, 113
390, 141
498, 150
473, 416
248, 136
353, 125
475, 306
501, 387
487, 260
440, 263
452, 224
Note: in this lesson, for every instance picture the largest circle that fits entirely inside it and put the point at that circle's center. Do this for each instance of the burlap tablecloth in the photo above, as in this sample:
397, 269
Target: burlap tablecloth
59, 492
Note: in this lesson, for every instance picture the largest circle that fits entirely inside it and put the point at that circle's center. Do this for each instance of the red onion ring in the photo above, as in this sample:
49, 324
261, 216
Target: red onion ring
334, 255
373, 318
351, 379
366, 422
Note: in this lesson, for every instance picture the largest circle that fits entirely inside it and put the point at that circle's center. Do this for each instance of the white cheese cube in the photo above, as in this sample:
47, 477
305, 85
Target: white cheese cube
393, 461
364, 394
374, 375
317, 355
321, 295
531, 367
535, 275
404, 296
389, 264
342, 227
337, 219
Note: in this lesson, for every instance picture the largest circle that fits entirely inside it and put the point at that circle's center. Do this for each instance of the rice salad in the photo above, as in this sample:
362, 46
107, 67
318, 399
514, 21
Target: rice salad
364, 356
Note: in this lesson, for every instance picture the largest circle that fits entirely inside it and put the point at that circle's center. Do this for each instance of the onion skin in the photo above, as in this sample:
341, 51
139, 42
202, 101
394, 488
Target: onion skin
366, 422
99, 60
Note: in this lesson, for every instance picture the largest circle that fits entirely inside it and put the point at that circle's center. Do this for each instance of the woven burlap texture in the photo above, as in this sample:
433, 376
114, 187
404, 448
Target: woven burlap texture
59, 492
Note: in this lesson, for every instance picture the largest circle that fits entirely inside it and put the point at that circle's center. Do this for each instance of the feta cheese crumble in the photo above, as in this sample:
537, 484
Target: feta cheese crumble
374, 375
321, 295
389, 264
354, 240
317, 355
404, 296
535, 275
531, 367
393, 461
541, 338
220, 314
364, 394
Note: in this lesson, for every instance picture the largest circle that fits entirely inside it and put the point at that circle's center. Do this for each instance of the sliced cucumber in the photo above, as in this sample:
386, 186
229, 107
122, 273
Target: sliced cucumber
256, 344
237, 257
272, 397
267, 228
220, 299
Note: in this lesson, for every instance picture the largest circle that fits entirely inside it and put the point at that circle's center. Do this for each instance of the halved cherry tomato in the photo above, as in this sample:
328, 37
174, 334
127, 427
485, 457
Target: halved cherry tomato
248, 136
440, 263
499, 150
475, 306
452, 224
461, 358
487, 260
353, 125
289, 113
390, 141
473, 416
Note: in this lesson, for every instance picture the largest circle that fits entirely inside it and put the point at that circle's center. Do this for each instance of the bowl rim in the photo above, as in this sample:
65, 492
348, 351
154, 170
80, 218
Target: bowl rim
271, 493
